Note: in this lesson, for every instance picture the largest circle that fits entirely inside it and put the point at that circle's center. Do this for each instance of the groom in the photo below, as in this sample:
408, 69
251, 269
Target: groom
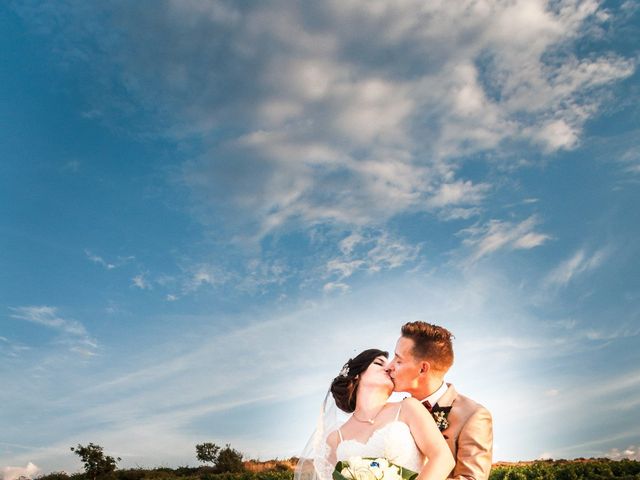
422, 357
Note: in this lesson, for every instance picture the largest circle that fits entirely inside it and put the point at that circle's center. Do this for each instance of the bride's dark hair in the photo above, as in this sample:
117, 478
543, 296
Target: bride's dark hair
345, 386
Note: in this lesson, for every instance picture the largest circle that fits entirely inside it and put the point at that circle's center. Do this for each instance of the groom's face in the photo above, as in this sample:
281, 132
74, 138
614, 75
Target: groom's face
404, 368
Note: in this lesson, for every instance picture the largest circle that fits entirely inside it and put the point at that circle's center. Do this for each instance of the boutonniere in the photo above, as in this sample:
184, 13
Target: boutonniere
440, 415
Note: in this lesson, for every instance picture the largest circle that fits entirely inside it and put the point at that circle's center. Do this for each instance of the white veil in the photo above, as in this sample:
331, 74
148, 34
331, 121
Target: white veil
314, 463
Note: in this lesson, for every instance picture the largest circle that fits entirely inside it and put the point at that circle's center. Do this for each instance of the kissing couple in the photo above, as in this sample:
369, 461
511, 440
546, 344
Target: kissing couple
435, 432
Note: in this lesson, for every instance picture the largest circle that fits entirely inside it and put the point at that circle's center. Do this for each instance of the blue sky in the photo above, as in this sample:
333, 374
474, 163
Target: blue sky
207, 207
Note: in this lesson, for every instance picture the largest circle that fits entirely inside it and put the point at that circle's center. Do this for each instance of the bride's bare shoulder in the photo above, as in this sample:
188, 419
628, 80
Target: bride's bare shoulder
411, 406
411, 402
333, 439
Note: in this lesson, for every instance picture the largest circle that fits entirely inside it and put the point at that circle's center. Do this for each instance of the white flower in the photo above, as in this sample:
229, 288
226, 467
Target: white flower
392, 473
364, 473
358, 468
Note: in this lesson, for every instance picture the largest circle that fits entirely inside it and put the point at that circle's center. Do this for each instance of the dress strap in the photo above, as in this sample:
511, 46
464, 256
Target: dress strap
340, 435
398, 412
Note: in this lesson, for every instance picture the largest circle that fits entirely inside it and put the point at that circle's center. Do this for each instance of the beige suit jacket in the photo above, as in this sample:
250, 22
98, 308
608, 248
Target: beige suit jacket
469, 436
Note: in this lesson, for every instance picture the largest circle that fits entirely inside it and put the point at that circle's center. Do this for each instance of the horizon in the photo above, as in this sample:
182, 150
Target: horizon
208, 207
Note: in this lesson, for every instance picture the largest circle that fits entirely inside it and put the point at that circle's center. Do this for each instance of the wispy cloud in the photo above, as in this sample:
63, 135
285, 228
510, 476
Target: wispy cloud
630, 160
11, 348
483, 240
108, 265
99, 260
606, 334
74, 333
367, 251
578, 264
48, 316
203, 275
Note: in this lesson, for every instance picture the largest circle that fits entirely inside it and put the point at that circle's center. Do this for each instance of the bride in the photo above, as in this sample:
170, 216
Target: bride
404, 433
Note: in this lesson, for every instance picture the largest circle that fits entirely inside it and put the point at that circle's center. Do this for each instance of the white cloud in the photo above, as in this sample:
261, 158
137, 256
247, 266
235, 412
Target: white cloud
630, 159
203, 277
458, 192
458, 213
579, 263
11, 348
341, 125
390, 253
557, 134
632, 452
141, 282
48, 316
368, 251
486, 239
348, 243
108, 265
99, 260
611, 333
13, 473
335, 287
342, 268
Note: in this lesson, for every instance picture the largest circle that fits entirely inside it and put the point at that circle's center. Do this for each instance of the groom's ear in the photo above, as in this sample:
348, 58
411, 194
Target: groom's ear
424, 367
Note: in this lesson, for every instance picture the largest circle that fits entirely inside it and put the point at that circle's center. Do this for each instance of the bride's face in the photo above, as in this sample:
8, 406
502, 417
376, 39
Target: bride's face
376, 375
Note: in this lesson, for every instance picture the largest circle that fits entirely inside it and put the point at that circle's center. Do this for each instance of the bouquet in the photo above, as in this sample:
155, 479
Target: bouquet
359, 468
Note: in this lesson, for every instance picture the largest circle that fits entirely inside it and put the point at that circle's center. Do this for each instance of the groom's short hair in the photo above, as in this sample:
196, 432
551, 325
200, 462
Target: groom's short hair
431, 343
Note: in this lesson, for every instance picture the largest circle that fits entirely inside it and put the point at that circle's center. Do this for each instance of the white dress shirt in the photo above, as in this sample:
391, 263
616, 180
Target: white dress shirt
437, 395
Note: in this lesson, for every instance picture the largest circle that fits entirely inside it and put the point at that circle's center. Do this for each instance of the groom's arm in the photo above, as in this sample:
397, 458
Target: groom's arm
475, 447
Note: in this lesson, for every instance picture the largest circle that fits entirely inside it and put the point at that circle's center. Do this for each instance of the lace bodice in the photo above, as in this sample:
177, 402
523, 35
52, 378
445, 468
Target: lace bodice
393, 442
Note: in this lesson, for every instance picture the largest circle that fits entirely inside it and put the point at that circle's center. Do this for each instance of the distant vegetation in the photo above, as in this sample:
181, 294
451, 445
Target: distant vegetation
580, 469
227, 464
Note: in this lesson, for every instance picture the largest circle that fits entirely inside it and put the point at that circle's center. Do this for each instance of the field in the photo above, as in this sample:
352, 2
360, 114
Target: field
579, 469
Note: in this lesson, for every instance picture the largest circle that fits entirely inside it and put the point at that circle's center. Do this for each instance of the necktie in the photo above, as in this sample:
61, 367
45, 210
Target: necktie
427, 405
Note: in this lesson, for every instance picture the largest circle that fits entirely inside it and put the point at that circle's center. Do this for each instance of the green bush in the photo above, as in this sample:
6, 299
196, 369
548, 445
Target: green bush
593, 469
131, 474
54, 476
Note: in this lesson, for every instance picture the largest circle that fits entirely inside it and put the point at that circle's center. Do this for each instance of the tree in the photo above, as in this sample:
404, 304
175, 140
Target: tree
224, 459
207, 452
96, 464
229, 460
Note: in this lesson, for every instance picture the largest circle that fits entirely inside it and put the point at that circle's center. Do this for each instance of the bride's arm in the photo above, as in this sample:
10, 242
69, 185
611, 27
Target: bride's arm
429, 440
332, 441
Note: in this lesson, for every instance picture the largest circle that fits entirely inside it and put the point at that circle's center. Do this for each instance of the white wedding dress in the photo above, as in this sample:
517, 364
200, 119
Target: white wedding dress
393, 441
